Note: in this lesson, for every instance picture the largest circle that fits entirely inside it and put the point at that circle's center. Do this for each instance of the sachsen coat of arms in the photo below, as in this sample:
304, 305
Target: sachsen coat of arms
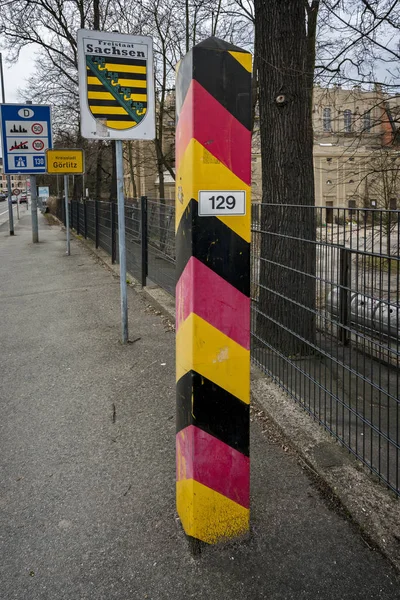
116, 85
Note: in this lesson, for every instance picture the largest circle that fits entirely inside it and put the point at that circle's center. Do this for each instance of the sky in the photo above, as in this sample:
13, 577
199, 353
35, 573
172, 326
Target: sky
15, 75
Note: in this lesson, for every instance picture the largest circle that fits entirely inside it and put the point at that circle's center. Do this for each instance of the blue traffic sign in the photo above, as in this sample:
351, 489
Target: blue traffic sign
26, 135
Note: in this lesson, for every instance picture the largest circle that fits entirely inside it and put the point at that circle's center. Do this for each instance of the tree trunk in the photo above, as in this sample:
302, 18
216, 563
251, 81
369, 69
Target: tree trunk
113, 186
131, 170
161, 196
187, 33
96, 14
99, 170
312, 15
254, 89
287, 293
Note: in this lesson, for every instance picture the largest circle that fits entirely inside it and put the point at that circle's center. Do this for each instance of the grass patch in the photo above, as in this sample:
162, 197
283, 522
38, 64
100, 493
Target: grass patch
50, 219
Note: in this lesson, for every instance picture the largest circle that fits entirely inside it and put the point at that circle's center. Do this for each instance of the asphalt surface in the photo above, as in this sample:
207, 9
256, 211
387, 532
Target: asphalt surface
4, 214
87, 428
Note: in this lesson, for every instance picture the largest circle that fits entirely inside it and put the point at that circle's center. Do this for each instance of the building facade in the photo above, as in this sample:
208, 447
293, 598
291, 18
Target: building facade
356, 155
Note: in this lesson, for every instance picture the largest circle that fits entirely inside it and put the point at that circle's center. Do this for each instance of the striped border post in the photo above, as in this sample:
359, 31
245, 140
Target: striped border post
213, 164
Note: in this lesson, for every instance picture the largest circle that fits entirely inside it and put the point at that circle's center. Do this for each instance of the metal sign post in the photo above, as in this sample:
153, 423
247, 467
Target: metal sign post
213, 211
10, 207
116, 92
26, 135
34, 214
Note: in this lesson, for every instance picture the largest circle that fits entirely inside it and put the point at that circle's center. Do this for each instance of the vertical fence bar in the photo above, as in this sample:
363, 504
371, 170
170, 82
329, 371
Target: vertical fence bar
143, 240
85, 218
344, 296
96, 222
213, 264
113, 235
78, 210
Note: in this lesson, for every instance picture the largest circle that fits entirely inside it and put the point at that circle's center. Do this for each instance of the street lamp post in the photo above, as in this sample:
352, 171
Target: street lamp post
10, 206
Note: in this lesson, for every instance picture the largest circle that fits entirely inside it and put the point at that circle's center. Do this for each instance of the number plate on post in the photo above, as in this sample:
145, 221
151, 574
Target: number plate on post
222, 202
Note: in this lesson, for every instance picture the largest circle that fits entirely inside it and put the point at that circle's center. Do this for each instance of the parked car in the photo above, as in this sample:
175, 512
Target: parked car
3, 197
22, 198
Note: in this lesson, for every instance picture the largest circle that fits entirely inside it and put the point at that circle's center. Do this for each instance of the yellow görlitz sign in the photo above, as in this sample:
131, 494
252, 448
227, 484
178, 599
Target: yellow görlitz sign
65, 162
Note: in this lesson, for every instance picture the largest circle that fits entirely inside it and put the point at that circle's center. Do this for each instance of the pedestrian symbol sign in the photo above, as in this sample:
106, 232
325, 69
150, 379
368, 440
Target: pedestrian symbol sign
116, 85
26, 135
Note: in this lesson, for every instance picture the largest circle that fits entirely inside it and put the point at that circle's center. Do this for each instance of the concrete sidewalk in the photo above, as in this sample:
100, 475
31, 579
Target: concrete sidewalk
87, 434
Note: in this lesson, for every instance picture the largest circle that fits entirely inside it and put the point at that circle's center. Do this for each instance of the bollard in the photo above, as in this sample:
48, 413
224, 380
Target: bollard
213, 163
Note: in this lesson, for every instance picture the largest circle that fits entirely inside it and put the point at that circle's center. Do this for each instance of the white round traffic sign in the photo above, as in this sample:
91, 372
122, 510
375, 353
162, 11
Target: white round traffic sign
38, 145
37, 128
16, 192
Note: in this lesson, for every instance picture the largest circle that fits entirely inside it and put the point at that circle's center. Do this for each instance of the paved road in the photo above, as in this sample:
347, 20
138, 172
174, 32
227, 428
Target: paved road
4, 214
87, 431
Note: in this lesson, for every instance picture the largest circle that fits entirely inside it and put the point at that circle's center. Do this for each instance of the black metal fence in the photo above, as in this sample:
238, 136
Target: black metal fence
149, 230
326, 321
325, 308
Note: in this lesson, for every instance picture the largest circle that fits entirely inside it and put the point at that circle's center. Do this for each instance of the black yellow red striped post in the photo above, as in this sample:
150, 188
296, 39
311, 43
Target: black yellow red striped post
213, 163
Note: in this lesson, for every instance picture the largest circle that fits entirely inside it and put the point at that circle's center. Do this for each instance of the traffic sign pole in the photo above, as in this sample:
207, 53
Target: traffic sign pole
131, 116
67, 215
10, 207
35, 225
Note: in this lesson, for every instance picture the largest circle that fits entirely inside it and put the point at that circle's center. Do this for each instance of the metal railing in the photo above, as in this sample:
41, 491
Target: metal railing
325, 308
150, 235
325, 321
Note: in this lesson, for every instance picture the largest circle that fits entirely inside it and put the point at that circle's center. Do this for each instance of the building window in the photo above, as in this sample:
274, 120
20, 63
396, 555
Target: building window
347, 118
328, 160
329, 182
367, 122
393, 203
327, 124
